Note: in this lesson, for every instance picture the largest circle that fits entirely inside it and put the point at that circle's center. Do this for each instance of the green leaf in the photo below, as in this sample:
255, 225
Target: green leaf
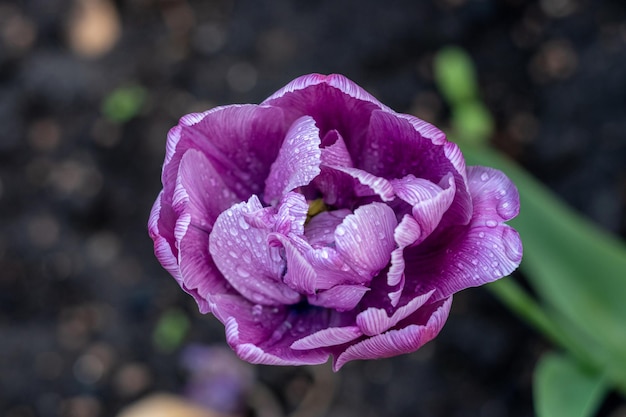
455, 75
576, 268
472, 120
563, 389
124, 103
170, 330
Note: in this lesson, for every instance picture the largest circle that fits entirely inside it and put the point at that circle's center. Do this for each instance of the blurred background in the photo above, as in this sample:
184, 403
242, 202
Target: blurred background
89, 321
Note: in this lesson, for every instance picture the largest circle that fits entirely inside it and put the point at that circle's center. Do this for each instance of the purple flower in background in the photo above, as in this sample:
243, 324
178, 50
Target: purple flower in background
321, 222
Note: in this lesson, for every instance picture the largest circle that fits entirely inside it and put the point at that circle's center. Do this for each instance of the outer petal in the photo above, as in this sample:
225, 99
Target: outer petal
297, 162
164, 248
365, 239
396, 146
335, 103
475, 255
494, 196
247, 262
337, 81
421, 327
339, 297
374, 321
328, 337
200, 191
240, 141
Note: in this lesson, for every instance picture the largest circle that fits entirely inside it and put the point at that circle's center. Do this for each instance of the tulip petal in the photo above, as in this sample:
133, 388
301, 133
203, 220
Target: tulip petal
297, 162
421, 327
164, 248
339, 297
320, 230
336, 81
494, 196
334, 151
405, 234
477, 254
328, 337
248, 263
200, 191
369, 184
240, 141
429, 201
365, 239
374, 321
300, 275
417, 148
277, 356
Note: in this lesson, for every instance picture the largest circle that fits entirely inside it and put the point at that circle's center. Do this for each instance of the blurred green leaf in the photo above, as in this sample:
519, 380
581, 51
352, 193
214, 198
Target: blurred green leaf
576, 268
170, 330
124, 103
455, 75
472, 120
563, 389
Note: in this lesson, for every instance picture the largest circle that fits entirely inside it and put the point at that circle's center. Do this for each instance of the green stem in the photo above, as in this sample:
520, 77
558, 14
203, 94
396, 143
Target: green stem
515, 298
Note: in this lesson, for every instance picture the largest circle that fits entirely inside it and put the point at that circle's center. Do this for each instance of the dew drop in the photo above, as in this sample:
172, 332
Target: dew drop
233, 254
340, 231
491, 223
229, 213
481, 235
258, 238
242, 272
497, 273
460, 265
474, 261
484, 176
233, 231
504, 210
247, 258
257, 310
381, 236
243, 223
494, 264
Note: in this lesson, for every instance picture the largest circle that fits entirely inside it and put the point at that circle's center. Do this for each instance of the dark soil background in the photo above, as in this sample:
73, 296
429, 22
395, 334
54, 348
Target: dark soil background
81, 294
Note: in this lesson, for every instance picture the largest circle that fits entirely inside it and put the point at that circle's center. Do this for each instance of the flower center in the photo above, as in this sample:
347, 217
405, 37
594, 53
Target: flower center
316, 207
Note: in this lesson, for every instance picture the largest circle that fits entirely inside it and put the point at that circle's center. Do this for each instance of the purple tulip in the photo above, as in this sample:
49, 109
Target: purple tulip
321, 222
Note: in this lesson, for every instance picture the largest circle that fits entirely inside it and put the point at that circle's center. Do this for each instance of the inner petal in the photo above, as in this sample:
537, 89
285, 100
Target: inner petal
298, 160
243, 256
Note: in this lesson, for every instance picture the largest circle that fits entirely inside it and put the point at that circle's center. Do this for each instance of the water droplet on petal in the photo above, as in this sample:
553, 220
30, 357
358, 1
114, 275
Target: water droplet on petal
233, 254
340, 231
246, 257
243, 223
484, 176
460, 265
481, 235
243, 273
257, 310
491, 223
497, 273
233, 231
494, 264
